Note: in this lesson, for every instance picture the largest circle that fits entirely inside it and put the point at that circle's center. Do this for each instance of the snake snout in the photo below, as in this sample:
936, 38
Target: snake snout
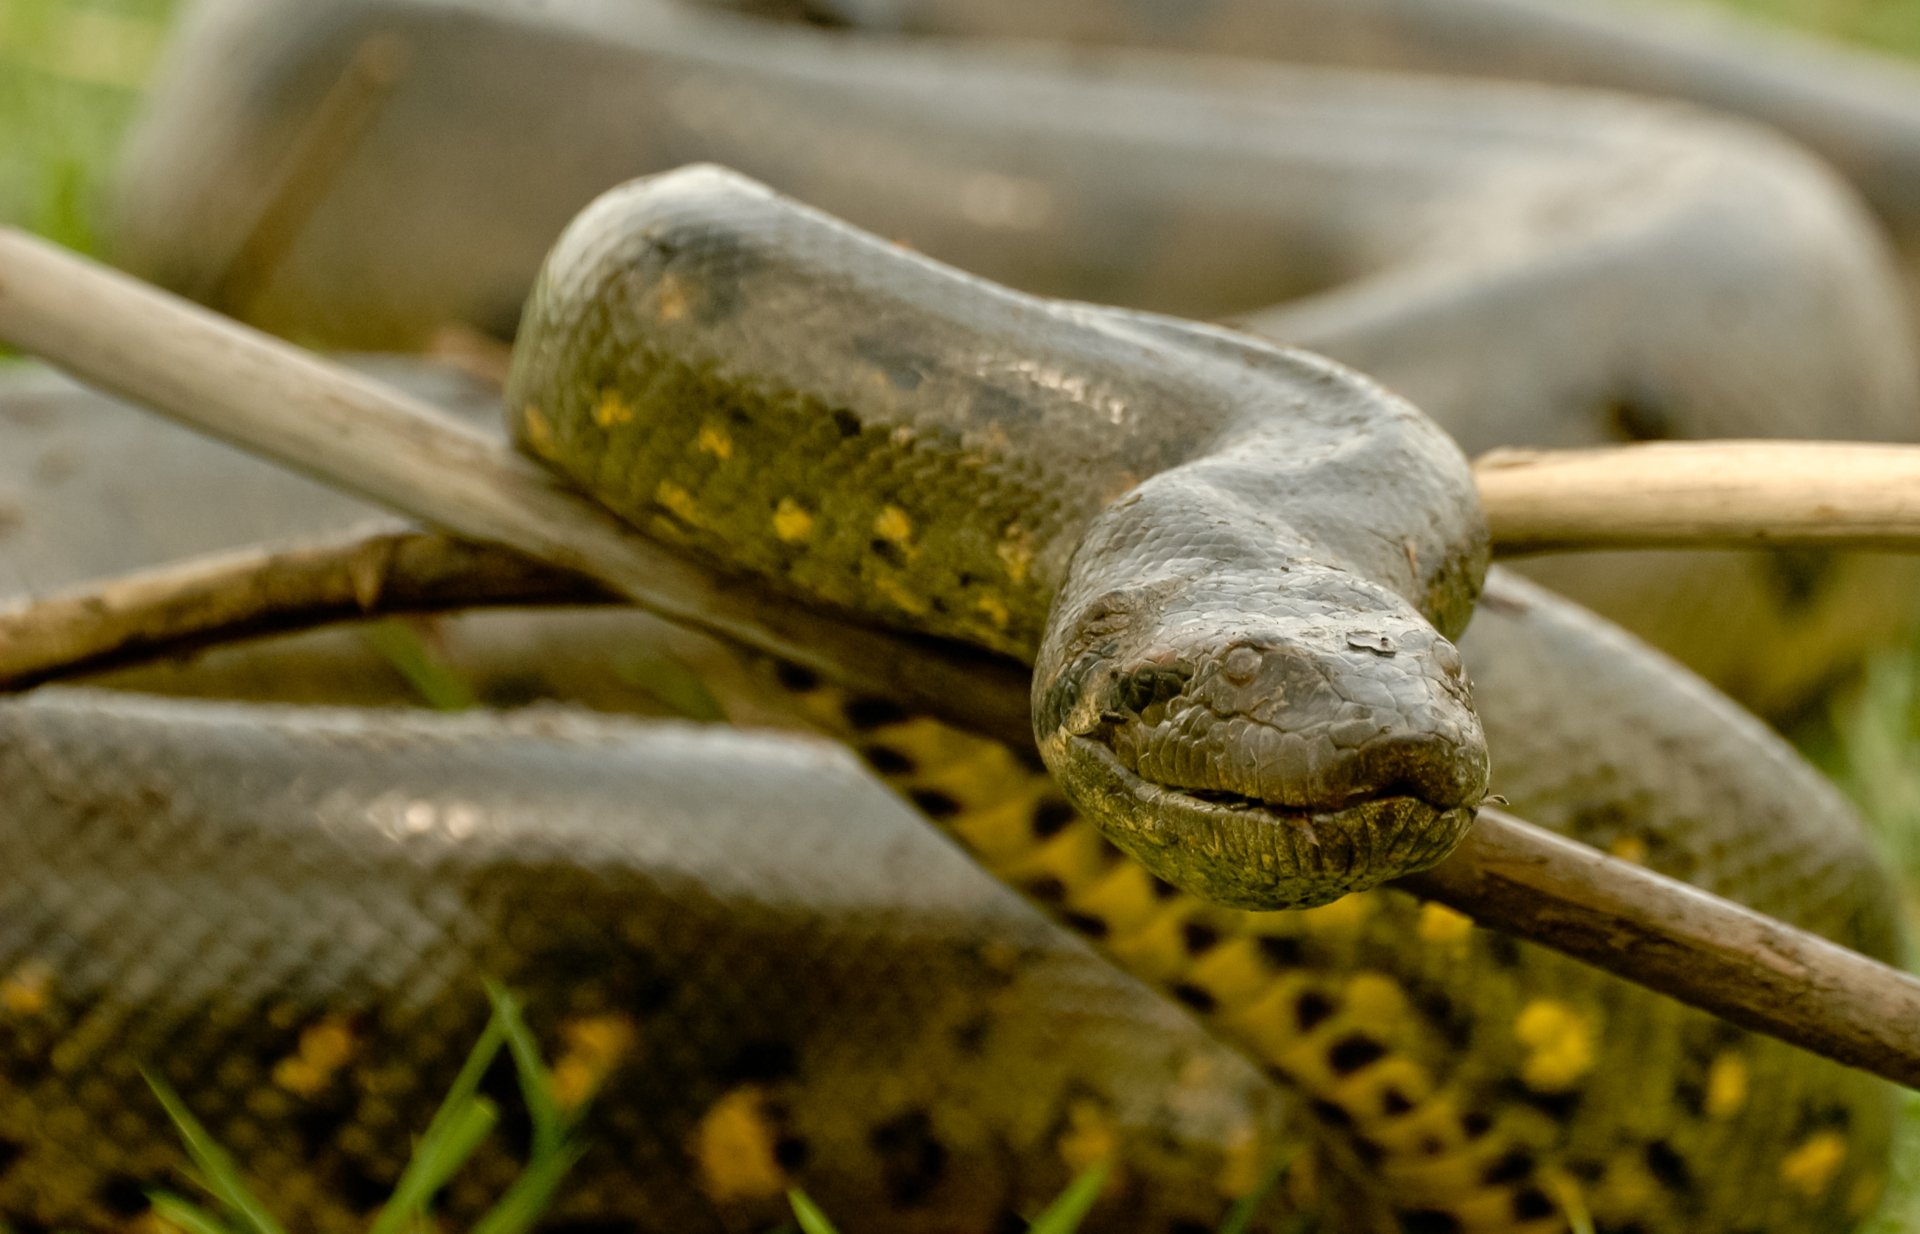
1321, 722
1319, 751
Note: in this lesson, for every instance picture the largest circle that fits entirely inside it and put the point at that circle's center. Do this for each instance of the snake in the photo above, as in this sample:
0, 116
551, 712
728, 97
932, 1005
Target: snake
1474, 1082
1479, 1083
1488, 250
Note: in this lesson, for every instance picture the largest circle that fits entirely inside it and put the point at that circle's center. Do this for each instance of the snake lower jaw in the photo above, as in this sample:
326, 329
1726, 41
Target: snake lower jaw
1246, 853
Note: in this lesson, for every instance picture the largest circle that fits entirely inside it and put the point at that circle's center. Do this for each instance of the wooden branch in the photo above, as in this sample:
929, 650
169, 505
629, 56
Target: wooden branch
1704, 494
133, 340
178, 608
137, 342
1705, 951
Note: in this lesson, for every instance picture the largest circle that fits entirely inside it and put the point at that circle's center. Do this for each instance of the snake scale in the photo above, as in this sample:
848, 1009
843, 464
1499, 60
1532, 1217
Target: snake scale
331, 859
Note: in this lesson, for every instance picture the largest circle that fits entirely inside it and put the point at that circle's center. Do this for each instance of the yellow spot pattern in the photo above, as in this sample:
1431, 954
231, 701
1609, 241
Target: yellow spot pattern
994, 609
1630, 848
1429, 1158
677, 501
893, 524
896, 593
1726, 1086
1088, 1137
595, 1045
325, 1047
792, 522
734, 1146
1559, 1040
1016, 553
612, 410
1810, 1168
1344, 916
1440, 924
537, 429
28, 989
1244, 1163
714, 440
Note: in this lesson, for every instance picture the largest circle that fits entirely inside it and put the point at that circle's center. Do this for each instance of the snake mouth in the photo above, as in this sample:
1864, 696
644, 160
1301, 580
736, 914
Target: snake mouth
1246, 852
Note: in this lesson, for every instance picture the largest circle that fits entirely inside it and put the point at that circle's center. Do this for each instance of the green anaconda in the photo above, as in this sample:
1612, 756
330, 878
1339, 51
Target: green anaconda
1222, 558
1476, 1083
1529, 266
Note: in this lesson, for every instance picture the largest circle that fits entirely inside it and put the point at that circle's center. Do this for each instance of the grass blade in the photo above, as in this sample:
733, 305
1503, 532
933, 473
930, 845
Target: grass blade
218, 1173
435, 1160
521, 1208
393, 1218
185, 1214
808, 1214
1065, 1214
550, 1127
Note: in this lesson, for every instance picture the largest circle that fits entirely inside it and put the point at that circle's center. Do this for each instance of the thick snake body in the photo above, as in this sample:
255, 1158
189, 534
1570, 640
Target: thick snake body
1470, 1080
1222, 557
1529, 266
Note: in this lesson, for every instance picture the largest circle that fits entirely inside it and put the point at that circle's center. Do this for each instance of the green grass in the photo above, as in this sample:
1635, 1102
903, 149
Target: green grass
458, 1128
70, 74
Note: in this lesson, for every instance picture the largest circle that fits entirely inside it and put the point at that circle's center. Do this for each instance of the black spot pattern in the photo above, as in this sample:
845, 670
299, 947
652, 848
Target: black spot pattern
1354, 1051
1193, 996
872, 713
1532, 1204
933, 803
912, 1158
1199, 937
764, 1061
1051, 816
1311, 1009
1086, 923
1669, 1167
888, 761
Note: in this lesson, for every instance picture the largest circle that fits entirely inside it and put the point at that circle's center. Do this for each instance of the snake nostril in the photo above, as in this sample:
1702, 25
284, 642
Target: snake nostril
1242, 665
1447, 657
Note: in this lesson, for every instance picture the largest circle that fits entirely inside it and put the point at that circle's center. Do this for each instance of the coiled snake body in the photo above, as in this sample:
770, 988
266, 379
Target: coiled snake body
1479, 1084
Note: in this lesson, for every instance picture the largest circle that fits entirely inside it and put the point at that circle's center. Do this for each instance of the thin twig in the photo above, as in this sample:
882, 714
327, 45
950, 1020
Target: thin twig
239, 385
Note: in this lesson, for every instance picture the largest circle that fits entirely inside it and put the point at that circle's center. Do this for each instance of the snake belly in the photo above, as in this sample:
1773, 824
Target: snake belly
1227, 561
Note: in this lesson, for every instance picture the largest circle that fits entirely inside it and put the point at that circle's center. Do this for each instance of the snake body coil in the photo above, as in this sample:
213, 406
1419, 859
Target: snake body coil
1244, 550
745, 910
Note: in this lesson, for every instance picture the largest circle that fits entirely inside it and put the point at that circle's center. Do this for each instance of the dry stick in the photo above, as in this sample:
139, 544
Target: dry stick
274, 399
239, 385
1693, 494
174, 609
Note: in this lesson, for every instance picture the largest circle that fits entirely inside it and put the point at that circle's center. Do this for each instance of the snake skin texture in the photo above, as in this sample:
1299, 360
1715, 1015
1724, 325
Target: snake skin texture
1529, 266
1474, 1083
1241, 547
287, 914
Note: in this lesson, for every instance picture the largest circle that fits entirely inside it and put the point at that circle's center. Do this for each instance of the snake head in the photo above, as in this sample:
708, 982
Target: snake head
1262, 747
